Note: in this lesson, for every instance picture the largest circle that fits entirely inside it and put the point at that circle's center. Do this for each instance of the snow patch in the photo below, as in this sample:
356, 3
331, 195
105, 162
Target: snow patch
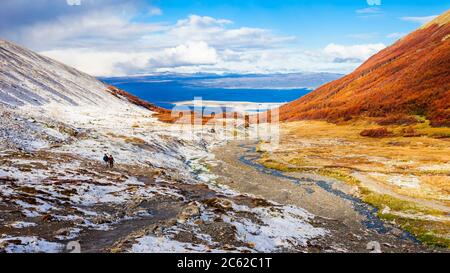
151, 244
29, 245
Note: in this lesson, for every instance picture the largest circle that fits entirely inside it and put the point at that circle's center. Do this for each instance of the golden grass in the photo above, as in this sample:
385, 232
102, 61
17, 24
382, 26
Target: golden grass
431, 233
441, 20
338, 150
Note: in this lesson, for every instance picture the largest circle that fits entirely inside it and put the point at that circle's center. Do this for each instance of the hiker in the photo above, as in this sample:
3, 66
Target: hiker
111, 161
106, 159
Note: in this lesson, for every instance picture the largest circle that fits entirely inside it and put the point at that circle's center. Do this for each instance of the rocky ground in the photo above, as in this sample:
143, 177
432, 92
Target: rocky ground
352, 225
405, 176
167, 193
56, 193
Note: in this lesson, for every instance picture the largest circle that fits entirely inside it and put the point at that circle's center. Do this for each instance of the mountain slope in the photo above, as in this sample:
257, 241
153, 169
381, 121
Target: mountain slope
410, 77
56, 124
27, 78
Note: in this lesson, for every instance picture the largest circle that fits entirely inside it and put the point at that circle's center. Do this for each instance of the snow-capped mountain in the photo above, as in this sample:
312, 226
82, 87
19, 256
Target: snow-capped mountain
29, 78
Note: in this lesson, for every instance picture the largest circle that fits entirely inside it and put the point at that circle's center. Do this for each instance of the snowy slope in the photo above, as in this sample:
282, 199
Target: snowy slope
29, 78
56, 124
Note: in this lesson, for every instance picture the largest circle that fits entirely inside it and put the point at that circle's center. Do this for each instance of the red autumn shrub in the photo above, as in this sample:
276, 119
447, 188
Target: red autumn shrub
398, 119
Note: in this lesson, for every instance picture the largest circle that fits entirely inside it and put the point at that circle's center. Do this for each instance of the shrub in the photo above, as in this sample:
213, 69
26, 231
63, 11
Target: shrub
377, 132
399, 119
410, 132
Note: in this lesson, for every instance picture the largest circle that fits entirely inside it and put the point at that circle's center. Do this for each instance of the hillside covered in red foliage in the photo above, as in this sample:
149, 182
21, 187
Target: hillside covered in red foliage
411, 77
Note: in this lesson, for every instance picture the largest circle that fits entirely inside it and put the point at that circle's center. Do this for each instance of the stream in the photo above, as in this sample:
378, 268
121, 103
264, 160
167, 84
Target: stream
369, 213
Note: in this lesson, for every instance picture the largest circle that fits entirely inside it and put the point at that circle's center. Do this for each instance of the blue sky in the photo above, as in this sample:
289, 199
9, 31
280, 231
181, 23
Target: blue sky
118, 37
314, 22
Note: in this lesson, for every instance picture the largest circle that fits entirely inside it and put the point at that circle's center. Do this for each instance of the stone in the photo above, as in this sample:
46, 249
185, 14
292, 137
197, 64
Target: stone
192, 210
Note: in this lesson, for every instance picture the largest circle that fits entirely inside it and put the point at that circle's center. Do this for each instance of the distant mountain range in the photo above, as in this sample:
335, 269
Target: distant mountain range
239, 81
411, 77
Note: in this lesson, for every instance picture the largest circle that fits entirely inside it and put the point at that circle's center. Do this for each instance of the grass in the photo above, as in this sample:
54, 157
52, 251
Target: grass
335, 150
425, 231
380, 201
340, 175
430, 233
272, 164
425, 129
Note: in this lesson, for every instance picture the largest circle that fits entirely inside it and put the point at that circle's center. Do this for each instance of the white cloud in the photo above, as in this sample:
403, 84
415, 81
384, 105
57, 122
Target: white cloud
108, 41
218, 33
200, 56
191, 53
116, 63
100, 28
100, 63
361, 52
419, 19
99, 43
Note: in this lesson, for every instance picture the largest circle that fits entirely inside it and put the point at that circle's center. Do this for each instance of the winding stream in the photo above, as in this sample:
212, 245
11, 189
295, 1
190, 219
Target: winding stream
371, 221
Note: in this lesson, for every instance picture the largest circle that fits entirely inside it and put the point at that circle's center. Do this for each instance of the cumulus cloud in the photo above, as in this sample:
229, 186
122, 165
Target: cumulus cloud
191, 53
112, 37
419, 19
218, 33
97, 28
361, 52
199, 41
101, 63
15, 14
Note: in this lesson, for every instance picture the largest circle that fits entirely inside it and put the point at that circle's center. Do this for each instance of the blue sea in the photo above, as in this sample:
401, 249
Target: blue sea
249, 93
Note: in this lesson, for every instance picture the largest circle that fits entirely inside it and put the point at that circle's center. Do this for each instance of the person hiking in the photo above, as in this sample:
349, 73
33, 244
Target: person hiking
106, 159
111, 161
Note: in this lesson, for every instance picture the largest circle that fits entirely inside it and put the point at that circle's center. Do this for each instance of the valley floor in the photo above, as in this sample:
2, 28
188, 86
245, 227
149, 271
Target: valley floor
406, 177
57, 195
352, 224
170, 193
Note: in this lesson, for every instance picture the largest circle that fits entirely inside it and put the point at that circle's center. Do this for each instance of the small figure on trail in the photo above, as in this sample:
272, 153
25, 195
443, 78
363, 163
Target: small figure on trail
111, 161
106, 159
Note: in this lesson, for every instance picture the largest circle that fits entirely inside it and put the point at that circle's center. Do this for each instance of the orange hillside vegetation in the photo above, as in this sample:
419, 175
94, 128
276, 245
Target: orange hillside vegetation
411, 77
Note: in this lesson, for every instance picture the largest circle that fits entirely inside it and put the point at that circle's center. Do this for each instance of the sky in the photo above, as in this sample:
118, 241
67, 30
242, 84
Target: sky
125, 37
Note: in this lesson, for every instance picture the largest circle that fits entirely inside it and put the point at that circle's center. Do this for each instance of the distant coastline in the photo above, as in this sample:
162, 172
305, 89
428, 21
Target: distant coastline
248, 93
